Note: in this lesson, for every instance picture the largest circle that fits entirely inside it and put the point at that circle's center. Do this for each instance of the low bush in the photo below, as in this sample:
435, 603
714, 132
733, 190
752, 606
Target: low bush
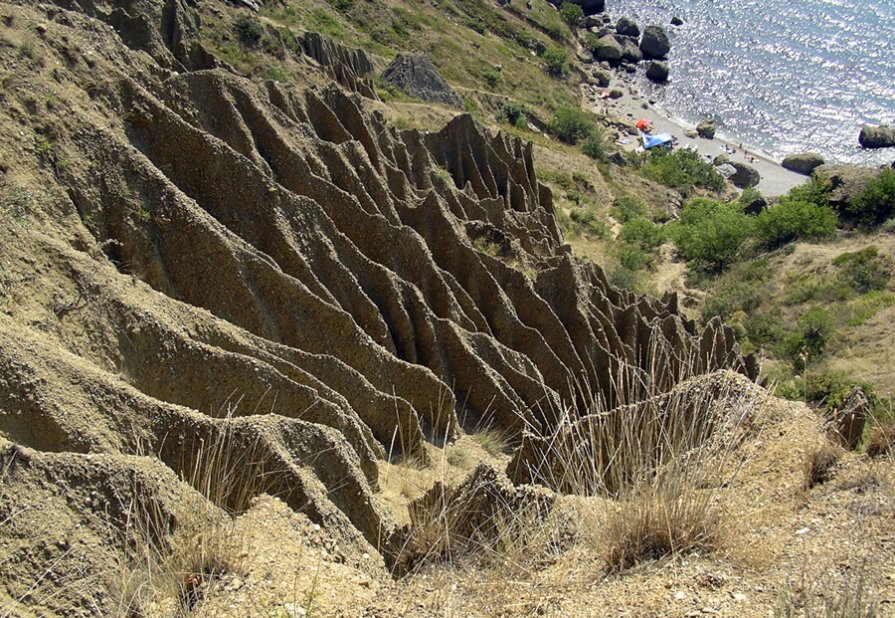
709, 233
249, 30
512, 112
683, 170
586, 222
815, 329
643, 233
626, 208
791, 220
816, 191
572, 125
596, 146
876, 203
572, 13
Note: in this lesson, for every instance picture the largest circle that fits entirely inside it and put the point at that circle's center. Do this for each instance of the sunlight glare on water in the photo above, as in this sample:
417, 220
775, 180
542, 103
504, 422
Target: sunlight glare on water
782, 77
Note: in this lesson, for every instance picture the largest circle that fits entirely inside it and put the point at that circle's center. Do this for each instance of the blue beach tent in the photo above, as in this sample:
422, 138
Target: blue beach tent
660, 139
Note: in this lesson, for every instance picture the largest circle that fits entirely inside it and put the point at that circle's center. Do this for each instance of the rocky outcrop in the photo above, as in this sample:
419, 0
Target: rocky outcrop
803, 162
657, 71
882, 136
846, 181
417, 76
707, 128
654, 43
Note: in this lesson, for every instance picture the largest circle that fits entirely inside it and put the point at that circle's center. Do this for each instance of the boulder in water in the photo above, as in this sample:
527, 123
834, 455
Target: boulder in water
654, 43
803, 162
416, 75
657, 71
881, 136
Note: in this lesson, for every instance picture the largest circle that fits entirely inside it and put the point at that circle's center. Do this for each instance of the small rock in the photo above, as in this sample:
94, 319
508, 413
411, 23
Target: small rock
803, 531
677, 21
680, 596
739, 597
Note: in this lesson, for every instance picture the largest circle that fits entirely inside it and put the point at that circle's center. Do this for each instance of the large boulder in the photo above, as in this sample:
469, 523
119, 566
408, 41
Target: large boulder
657, 71
627, 27
707, 128
608, 48
655, 43
590, 7
882, 136
416, 75
745, 177
803, 162
630, 51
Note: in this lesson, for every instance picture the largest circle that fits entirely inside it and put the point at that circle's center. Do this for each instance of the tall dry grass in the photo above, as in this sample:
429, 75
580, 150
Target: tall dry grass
177, 551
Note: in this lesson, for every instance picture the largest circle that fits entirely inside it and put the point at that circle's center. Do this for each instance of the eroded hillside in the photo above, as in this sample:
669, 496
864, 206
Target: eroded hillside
207, 272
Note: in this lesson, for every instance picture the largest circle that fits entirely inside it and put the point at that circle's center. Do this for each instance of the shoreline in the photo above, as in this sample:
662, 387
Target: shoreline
775, 179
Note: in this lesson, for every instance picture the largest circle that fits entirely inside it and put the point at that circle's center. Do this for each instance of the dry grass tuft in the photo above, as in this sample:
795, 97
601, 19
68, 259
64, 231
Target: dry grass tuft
668, 518
173, 561
820, 465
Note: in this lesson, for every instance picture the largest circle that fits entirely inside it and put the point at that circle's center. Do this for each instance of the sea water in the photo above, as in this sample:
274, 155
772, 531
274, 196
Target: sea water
781, 76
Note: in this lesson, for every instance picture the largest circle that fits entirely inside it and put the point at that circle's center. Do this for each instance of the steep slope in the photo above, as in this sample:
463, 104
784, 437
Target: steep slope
191, 257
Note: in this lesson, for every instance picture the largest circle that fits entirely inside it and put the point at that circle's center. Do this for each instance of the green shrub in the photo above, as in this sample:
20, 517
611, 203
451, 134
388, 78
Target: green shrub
643, 233
513, 113
791, 220
865, 270
626, 208
624, 278
596, 146
634, 258
249, 30
876, 203
709, 234
572, 125
492, 78
557, 59
816, 191
591, 42
683, 170
572, 14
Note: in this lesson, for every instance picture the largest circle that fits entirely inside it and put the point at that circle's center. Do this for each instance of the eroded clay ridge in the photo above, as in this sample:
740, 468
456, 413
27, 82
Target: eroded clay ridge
277, 263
